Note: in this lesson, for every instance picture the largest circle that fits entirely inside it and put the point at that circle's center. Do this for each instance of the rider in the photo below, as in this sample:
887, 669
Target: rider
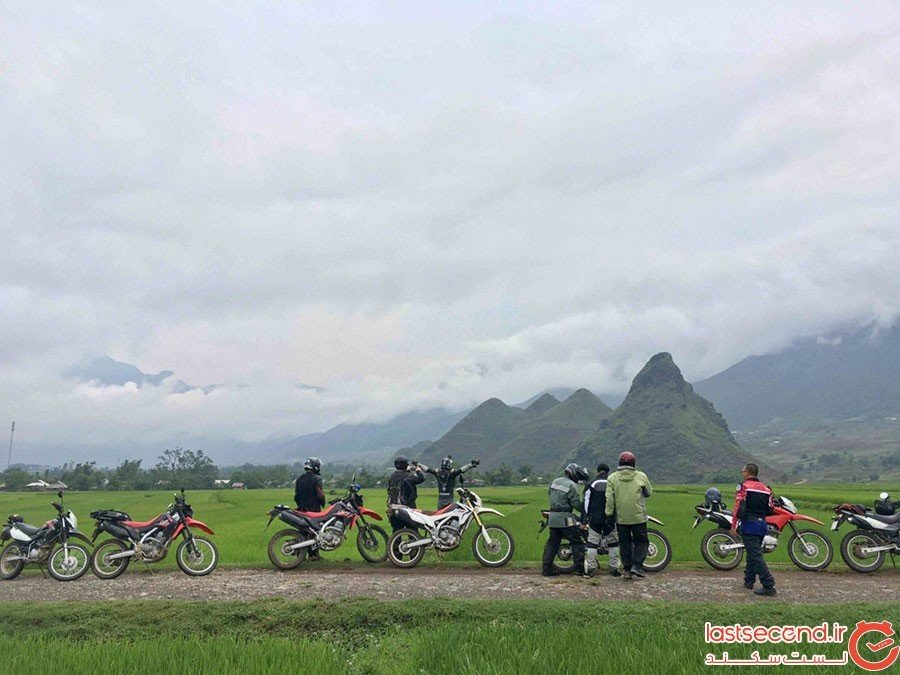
626, 492
752, 504
308, 492
401, 486
446, 479
600, 528
564, 501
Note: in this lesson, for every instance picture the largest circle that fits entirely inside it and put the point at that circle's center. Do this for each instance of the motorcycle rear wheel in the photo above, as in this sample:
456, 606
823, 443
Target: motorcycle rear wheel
109, 569
659, 552
68, 568
372, 543
399, 557
811, 561
499, 552
282, 558
721, 560
564, 562
197, 556
864, 564
10, 569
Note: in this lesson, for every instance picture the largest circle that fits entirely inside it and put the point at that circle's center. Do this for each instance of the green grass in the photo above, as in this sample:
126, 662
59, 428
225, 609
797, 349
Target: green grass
367, 636
239, 517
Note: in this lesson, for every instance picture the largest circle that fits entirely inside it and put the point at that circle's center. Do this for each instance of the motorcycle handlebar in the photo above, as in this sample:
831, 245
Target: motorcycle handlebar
56, 506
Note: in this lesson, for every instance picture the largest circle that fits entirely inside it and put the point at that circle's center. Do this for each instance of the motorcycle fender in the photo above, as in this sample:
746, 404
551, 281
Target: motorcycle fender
808, 518
201, 526
370, 513
655, 520
486, 510
18, 535
5, 534
80, 537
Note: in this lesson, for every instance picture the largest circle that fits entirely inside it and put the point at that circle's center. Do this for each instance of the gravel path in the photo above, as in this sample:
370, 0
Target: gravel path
389, 584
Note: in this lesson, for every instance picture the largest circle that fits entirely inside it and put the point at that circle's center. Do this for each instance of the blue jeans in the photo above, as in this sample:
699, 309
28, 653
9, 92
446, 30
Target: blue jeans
756, 565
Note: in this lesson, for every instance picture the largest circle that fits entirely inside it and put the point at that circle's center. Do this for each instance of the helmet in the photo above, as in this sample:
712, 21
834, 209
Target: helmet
313, 464
447, 463
603, 467
401, 462
712, 496
576, 473
626, 459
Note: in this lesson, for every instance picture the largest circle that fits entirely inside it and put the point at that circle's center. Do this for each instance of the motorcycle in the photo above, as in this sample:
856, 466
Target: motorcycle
51, 544
326, 531
659, 550
493, 546
150, 541
878, 533
809, 550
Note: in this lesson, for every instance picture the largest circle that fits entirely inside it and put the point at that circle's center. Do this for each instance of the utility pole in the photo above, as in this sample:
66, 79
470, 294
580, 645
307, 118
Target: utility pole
12, 430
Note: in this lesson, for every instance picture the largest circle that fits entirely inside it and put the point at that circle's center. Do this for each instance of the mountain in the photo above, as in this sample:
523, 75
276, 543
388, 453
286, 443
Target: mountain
839, 376
109, 372
369, 440
543, 434
677, 435
559, 393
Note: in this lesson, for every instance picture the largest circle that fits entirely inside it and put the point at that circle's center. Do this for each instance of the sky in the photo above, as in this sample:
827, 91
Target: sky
424, 204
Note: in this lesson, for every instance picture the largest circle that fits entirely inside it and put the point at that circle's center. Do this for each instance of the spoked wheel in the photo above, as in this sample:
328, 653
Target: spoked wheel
9, 567
852, 547
68, 565
399, 552
564, 562
659, 552
711, 548
280, 552
813, 553
197, 556
105, 568
496, 552
372, 542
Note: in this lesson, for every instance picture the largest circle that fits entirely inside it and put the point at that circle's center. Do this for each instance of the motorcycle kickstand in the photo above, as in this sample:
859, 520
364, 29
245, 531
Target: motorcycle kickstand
43, 571
149, 569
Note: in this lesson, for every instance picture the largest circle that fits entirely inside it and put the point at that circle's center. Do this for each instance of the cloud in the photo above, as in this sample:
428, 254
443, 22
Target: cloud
427, 206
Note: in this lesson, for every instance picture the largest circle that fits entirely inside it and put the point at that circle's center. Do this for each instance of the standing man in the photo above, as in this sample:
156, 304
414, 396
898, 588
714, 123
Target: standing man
308, 492
401, 487
446, 479
564, 501
751, 506
626, 496
600, 527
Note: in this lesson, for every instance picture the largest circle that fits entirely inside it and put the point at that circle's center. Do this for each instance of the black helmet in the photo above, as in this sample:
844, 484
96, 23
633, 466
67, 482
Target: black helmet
401, 462
603, 467
313, 464
712, 496
447, 463
576, 473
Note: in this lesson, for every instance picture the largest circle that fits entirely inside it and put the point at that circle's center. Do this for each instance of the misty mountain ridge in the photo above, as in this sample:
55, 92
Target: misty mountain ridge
677, 435
108, 372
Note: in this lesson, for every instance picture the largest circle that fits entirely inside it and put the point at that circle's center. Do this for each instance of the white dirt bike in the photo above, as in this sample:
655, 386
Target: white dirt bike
493, 545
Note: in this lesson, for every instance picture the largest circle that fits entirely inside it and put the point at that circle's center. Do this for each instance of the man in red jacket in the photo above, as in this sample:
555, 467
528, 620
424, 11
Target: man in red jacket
751, 506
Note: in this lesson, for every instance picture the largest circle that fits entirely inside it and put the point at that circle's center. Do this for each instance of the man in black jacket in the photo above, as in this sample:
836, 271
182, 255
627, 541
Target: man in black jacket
309, 494
402, 487
600, 528
446, 479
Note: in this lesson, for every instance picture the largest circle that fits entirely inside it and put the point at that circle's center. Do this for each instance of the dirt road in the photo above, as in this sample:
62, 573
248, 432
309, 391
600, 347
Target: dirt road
389, 584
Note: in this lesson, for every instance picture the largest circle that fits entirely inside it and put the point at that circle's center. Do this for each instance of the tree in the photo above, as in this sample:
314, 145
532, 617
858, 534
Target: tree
129, 476
525, 470
15, 479
186, 468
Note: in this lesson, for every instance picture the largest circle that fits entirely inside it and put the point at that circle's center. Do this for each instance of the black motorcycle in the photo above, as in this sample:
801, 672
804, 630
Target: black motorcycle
50, 544
864, 549
325, 531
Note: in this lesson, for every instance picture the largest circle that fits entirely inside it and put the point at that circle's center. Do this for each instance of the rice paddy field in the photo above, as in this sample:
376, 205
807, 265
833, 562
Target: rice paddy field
239, 518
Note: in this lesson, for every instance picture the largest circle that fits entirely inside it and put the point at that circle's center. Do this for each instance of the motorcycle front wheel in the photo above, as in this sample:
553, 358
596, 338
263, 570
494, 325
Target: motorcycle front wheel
710, 548
102, 566
398, 553
197, 556
10, 569
280, 553
564, 562
372, 543
498, 551
659, 552
813, 553
70, 566
851, 552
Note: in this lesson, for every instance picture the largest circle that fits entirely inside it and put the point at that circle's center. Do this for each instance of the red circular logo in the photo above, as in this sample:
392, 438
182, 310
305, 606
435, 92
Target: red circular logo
885, 629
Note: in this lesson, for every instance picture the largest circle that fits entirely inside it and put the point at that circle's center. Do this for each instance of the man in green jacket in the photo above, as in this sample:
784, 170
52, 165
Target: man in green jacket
626, 493
564, 501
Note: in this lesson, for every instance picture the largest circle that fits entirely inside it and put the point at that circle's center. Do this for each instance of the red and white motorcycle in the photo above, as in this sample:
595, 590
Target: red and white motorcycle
493, 545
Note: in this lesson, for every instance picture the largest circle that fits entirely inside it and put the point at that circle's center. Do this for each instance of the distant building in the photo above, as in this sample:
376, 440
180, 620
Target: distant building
221, 483
238, 486
44, 485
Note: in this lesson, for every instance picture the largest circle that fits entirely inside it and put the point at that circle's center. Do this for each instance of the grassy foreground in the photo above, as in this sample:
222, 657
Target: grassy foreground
239, 517
367, 636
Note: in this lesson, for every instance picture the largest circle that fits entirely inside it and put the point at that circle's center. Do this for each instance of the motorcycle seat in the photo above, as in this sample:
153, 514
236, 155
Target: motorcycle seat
887, 520
438, 512
141, 525
27, 529
314, 515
